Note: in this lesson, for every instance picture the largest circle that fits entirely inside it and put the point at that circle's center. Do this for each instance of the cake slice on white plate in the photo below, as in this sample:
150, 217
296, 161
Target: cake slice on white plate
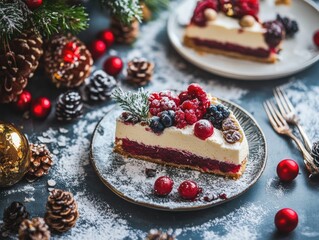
187, 130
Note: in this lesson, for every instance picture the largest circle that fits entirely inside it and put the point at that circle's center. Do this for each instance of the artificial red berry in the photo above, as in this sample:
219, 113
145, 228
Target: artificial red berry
286, 220
287, 170
97, 48
113, 65
199, 12
203, 129
33, 4
163, 186
316, 38
24, 101
107, 37
188, 190
41, 107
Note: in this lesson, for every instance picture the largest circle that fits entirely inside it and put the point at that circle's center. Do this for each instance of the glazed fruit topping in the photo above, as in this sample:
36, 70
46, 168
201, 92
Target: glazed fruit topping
163, 186
275, 33
188, 190
290, 26
199, 17
203, 129
240, 8
216, 114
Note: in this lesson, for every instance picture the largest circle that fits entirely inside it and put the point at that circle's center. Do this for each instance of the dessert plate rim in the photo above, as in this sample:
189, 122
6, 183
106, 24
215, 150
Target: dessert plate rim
226, 70
97, 164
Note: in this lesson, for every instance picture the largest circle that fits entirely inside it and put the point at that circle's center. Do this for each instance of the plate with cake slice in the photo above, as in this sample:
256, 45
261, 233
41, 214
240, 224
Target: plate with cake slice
151, 145
246, 39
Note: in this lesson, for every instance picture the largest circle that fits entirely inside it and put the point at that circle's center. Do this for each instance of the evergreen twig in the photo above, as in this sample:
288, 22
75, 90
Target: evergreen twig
156, 5
135, 103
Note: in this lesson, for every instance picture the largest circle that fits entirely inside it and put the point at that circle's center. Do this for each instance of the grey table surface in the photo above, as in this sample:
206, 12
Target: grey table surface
106, 216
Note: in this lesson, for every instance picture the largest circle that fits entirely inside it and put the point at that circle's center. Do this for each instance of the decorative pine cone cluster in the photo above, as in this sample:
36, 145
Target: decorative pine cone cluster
18, 61
35, 229
231, 131
69, 106
139, 71
62, 211
41, 162
12, 217
155, 234
101, 86
124, 33
68, 73
315, 153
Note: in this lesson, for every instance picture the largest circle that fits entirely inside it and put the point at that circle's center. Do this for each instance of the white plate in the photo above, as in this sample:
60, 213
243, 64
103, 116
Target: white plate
298, 53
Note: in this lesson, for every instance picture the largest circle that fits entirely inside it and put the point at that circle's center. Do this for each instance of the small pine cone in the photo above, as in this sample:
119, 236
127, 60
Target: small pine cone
67, 61
18, 61
126, 34
155, 234
139, 71
62, 210
35, 229
69, 106
315, 153
13, 216
101, 86
41, 162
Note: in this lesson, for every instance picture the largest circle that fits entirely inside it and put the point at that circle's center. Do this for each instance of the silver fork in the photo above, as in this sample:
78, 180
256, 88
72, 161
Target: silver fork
281, 126
289, 113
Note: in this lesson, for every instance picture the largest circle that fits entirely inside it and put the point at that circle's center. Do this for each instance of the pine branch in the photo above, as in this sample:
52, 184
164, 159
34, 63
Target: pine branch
135, 103
156, 5
124, 10
58, 17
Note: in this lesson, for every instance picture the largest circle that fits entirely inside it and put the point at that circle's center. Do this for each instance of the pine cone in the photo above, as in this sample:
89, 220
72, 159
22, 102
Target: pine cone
155, 234
315, 153
41, 162
35, 229
139, 71
101, 86
125, 33
67, 67
62, 210
13, 216
69, 106
18, 61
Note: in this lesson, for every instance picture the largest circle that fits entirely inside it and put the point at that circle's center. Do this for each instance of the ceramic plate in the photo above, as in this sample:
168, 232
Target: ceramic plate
126, 176
298, 53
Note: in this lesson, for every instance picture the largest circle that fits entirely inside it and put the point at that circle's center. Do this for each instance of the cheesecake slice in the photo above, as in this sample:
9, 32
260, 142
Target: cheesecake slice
233, 28
191, 130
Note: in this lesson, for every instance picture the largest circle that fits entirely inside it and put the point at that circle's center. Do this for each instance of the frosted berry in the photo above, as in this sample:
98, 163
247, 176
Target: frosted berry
216, 114
183, 96
190, 104
195, 90
274, 34
287, 170
170, 95
156, 125
188, 190
162, 101
290, 26
316, 38
199, 13
203, 129
180, 121
163, 186
167, 118
190, 116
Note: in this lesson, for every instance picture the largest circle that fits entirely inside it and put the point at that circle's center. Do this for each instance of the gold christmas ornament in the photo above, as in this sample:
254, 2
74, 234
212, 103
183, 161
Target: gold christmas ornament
14, 155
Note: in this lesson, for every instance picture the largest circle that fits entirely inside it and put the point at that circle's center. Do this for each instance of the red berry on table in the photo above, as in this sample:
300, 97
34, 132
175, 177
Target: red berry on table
316, 38
33, 4
97, 48
163, 186
41, 107
24, 101
107, 37
287, 170
113, 65
286, 220
203, 129
188, 190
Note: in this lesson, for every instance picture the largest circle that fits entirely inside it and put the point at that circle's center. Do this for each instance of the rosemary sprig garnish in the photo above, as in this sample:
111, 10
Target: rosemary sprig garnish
135, 103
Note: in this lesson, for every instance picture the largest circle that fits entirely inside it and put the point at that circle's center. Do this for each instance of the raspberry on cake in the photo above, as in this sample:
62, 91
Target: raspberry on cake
187, 130
233, 28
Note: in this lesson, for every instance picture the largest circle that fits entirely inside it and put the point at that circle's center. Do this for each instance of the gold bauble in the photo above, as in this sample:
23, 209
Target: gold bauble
14, 155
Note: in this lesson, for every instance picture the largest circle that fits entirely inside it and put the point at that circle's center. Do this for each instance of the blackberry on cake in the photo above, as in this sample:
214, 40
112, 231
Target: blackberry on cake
182, 130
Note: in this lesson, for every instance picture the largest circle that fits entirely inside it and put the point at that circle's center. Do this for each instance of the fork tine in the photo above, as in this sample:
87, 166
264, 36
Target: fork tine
287, 100
278, 100
271, 119
272, 111
280, 117
283, 100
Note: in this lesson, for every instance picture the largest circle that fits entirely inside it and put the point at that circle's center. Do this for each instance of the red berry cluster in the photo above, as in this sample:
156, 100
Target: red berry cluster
189, 106
199, 16
71, 52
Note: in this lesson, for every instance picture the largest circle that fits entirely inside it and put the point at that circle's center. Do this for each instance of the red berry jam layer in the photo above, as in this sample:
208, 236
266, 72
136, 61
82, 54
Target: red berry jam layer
229, 47
175, 156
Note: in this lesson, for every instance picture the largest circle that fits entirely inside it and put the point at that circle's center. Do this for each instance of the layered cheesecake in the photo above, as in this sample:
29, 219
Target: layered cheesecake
233, 28
190, 130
